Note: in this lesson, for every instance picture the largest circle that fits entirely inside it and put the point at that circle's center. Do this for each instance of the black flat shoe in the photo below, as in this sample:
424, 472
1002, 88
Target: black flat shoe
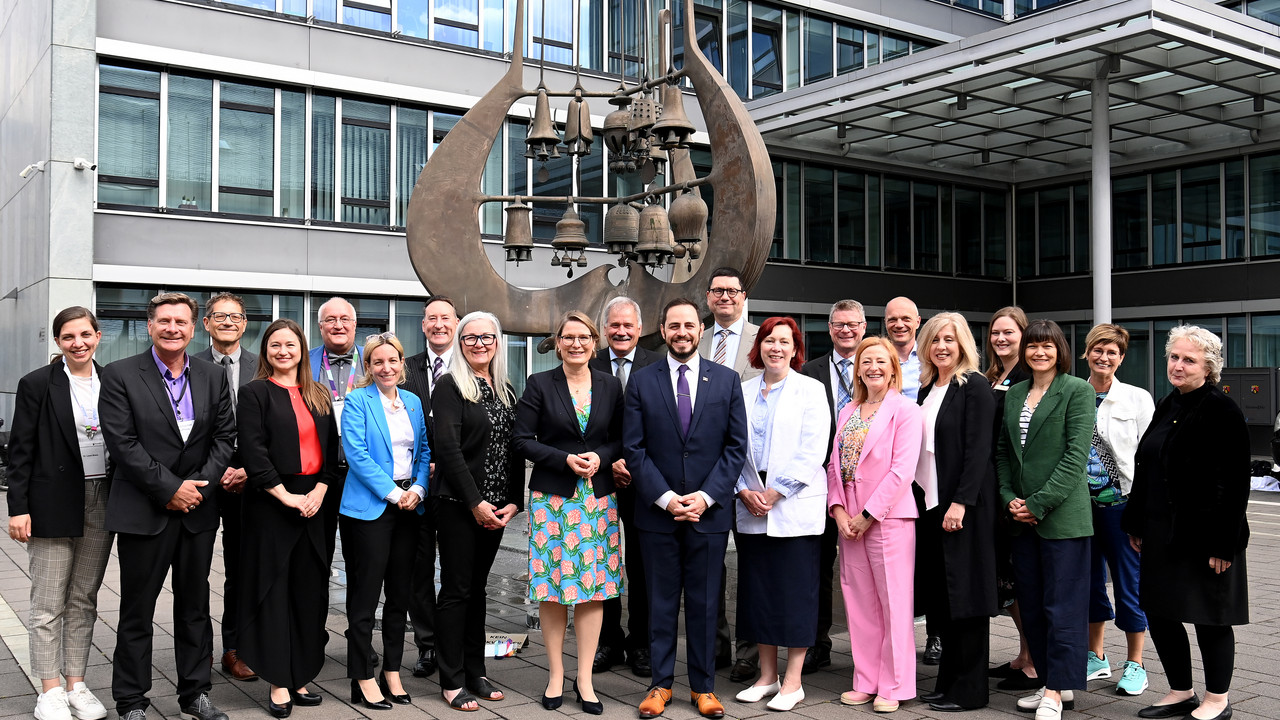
358, 698
1172, 710
932, 697
386, 692
948, 706
484, 690
1226, 713
1001, 671
279, 711
1019, 680
590, 707
305, 699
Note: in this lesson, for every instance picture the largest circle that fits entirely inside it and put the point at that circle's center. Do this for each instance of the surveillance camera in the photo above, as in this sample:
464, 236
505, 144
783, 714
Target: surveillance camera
33, 167
82, 164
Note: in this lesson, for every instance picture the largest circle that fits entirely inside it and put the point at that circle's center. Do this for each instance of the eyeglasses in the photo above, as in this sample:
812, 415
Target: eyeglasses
380, 336
218, 317
580, 339
721, 292
847, 325
344, 320
486, 340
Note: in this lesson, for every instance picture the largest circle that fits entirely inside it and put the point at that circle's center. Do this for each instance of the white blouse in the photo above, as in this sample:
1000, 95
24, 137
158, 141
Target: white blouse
927, 468
400, 428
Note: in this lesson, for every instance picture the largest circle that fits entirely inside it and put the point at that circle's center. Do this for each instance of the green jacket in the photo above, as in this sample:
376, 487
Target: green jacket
1049, 473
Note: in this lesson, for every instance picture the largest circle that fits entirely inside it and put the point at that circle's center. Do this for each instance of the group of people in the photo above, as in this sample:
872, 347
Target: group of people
935, 488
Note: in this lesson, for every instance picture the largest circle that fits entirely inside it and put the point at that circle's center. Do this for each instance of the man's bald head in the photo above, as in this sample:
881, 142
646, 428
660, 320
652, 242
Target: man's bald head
901, 321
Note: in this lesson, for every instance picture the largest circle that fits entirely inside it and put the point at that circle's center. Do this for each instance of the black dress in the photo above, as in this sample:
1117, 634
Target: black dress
284, 591
1004, 523
1191, 487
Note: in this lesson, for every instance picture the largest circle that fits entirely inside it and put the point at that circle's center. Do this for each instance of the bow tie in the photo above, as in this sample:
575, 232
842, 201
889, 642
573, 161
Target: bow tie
335, 359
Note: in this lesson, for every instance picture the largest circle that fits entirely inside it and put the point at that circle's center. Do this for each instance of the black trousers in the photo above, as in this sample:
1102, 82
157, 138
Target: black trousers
329, 510
230, 510
962, 672
422, 606
826, 586
145, 561
466, 556
1217, 649
379, 555
637, 588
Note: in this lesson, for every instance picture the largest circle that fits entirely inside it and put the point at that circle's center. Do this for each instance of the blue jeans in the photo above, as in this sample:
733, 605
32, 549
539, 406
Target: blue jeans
1112, 554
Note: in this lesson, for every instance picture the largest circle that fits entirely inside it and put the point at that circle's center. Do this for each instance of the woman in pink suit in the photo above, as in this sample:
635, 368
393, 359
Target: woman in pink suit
873, 463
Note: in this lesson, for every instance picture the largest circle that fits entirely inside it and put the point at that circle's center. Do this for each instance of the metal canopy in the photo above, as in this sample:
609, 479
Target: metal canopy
1014, 103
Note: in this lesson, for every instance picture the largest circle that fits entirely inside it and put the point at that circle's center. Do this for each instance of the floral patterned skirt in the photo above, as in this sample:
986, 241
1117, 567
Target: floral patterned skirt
575, 550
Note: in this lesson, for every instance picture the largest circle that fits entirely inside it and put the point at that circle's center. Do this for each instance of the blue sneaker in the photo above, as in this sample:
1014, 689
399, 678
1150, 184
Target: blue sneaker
1133, 681
1098, 668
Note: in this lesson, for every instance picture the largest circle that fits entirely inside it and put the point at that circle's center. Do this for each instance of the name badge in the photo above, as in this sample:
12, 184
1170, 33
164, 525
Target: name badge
184, 428
94, 458
337, 414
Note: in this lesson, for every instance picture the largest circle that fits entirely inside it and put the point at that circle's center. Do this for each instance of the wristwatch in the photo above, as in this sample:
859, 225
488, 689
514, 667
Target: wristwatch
866, 514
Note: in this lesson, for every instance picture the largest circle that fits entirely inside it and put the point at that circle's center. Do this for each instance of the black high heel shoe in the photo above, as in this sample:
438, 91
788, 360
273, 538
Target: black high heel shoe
357, 697
306, 699
386, 692
590, 707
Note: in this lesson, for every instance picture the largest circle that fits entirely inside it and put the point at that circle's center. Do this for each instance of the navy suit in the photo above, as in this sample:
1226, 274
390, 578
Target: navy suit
679, 556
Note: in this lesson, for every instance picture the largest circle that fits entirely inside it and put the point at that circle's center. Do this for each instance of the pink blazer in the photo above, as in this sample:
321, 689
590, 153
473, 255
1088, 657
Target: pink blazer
882, 483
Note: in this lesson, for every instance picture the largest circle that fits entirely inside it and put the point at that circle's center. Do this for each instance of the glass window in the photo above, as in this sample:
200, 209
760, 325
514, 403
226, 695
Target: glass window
411, 156
897, 223
766, 50
1233, 174
1159, 365
1266, 340
491, 184
995, 221
246, 148
850, 54
1201, 213
1080, 227
190, 161
1129, 221
792, 67
1164, 217
818, 49
591, 35
260, 4
558, 173
128, 136
926, 229
819, 211
968, 214
1136, 368
1234, 353
1266, 10
458, 22
323, 115
408, 327
624, 37
413, 18
372, 316
518, 360
493, 35
293, 153
291, 308
1054, 225
851, 207
366, 161
1025, 233
738, 73
873, 48
707, 30
371, 14
557, 45
122, 317
778, 248
591, 184
1264, 205
325, 10
894, 47
294, 7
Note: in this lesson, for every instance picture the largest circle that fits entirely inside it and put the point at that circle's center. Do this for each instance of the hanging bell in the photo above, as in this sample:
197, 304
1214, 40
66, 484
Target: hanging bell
617, 131
654, 246
519, 239
673, 129
688, 216
571, 234
542, 139
621, 228
577, 130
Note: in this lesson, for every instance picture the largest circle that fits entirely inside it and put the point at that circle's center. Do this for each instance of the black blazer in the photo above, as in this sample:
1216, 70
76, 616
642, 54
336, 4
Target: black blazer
1205, 466
819, 369
46, 476
547, 431
248, 371
462, 441
268, 432
150, 457
966, 475
603, 361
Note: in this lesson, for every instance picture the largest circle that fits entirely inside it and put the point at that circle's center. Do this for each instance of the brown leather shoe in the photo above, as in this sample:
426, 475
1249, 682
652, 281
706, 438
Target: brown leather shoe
235, 667
707, 703
655, 702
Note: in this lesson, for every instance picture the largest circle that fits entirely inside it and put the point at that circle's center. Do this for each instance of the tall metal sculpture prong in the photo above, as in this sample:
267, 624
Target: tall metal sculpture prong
444, 229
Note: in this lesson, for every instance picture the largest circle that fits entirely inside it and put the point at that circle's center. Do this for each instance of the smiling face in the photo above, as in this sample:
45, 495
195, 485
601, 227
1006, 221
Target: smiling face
439, 323
576, 345
284, 352
944, 351
1005, 340
479, 355
902, 320
227, 330
172, 328
846, 328
681, 331
777, 350
875, 370
622, 328
78, 340
1187, 368
338, 326
1104, 361
386, 365
726, 309
1041, 357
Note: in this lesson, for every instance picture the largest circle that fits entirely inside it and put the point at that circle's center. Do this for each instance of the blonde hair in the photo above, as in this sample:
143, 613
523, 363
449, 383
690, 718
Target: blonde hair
461, 370
581, 317
373, 342
1206, 342
968, 361
860, 392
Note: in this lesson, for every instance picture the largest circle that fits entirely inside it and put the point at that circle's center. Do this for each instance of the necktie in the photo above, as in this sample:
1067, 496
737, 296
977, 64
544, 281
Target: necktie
436, 368
684, 405
722, 342
843, 398
621, 373
231, 381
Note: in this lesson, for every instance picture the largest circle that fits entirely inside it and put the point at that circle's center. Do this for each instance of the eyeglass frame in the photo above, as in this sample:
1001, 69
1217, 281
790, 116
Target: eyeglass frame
569, 340
473, 340
236, 318
733, 293
342, 320
837, 326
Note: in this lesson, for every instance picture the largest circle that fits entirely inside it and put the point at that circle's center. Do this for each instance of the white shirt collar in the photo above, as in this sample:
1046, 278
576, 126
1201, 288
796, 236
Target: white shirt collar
691, 362
431, 356
735, 328
630, 357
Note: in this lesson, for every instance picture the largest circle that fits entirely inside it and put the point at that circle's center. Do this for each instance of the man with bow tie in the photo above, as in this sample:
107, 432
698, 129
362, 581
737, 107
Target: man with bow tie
337, 366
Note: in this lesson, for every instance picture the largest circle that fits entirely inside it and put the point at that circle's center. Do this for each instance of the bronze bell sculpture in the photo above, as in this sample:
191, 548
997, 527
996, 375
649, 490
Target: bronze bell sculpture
542, 139
673, 129
688, 217
519, 239
571, 239
621, 229
577, 129
654, 246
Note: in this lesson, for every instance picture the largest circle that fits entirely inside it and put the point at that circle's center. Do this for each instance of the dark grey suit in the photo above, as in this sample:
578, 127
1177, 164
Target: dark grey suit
422, 605
230, 507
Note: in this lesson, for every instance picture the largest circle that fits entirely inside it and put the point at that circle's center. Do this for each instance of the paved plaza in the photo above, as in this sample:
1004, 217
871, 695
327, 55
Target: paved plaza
1255, 692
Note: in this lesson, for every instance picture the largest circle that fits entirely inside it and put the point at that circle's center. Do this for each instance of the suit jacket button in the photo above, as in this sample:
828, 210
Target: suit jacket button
686, 454
61, 468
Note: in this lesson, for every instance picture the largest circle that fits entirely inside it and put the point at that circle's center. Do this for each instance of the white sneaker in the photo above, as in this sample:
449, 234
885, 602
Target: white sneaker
52, 705
1031, 703
84, 704
1049, 710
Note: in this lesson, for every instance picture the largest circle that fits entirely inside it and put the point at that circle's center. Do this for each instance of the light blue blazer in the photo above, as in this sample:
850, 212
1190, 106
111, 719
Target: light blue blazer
367, 444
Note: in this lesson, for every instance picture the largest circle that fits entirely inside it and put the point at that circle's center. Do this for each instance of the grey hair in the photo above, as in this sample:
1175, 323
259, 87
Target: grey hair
325, 304
1206, 342
846, 306
621, 299
461, 371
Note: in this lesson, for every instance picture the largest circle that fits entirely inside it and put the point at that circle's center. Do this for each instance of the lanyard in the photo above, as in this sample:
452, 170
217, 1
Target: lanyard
186, 381
90, 414
844, 383
333, 386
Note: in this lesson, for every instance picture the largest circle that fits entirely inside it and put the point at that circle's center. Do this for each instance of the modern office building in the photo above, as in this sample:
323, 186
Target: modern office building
946, 151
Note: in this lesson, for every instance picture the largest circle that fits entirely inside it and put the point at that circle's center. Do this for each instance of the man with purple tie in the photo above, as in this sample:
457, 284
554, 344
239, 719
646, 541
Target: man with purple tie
685, 442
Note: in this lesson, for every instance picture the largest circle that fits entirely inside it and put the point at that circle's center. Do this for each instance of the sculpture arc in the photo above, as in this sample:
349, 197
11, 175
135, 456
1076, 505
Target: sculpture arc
443, 229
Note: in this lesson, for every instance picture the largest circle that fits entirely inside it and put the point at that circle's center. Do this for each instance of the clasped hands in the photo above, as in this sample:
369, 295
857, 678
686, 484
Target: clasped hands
583, 465
490, 517
851, 527
759, 502
1018, 509
187, 497
307, 505
687, 508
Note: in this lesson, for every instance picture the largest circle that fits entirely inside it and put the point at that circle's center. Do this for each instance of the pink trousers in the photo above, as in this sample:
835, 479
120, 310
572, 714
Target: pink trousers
877, 575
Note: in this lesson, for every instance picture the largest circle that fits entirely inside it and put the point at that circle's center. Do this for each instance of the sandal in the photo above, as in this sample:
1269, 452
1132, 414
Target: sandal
485, 690
460, 701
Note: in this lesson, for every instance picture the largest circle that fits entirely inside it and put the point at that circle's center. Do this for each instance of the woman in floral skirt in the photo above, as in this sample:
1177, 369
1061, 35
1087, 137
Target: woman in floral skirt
569, 424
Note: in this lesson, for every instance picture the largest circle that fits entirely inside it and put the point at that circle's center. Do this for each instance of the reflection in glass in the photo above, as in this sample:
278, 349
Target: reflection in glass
819, 211
1129, 221
1264, 204
457, 22
411, 156
1201, 213
293, 152
851, 233
246, 139
413, 18
129, 137
818, 48
322, 160
897, 223
366, 160
190, 161
1054, 226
